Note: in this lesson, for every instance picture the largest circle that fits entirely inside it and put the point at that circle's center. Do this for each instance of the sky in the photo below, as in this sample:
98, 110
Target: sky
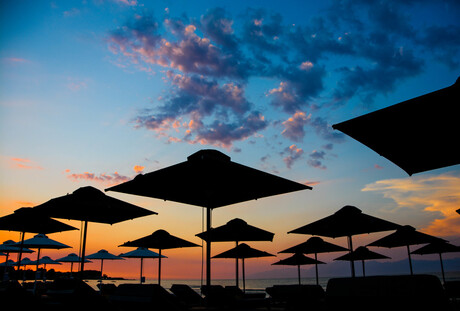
94, 92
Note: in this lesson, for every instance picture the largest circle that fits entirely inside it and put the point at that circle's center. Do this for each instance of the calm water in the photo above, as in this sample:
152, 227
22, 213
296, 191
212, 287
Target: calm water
257, 285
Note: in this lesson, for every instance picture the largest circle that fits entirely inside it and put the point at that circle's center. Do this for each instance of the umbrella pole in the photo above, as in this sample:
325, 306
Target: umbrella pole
350, 246
5, 271
442, 269
236, 266
364, 272
208, 248
244, 278
142, 259
36, 271
102, 266
298, 272
20, 254
410, 261
159, 267
316, 268
82, 263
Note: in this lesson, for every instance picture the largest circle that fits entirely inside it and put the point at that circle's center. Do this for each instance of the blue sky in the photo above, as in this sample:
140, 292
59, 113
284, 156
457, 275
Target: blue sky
93, 92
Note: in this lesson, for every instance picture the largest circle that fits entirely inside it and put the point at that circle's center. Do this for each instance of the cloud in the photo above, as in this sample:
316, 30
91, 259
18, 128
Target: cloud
316, 158
325, 131
26, 164
294, 154
435, 196
108, 179
138, 169
294, 127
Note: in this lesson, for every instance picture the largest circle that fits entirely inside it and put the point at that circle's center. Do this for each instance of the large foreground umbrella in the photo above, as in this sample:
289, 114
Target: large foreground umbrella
236, 230
347, 221
72, 258
27, 219
299, 259
104, 255
208, 179
243, 251
438, 248
141, 252
89, 204
410, 134
405, 236
362, 253
314, 245
160, 239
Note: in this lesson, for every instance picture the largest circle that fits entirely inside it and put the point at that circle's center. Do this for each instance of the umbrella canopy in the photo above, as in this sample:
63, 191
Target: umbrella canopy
72, 258
46, 260
141, 252
103, 255
298, 259
89, 204
27, 219
315, 245
362, 253
243, 251
411, 133
236, 230
209, 179
26, 262
438, 248
405, 236
10, 246
7, 263
160, 239
347, 221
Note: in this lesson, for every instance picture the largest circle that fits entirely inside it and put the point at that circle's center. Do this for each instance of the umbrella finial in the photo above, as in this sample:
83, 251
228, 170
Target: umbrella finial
206, 154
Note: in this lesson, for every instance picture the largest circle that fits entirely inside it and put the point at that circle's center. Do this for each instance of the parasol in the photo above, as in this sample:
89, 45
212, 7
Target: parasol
208, 179
438, 248
314, 245
160, 239
72, 257
411, 133
299, 259
347, 221
27, 219
8, 247
141, 252
103, 255
405, 236
243, 251
89, 204
362, 253
236, 230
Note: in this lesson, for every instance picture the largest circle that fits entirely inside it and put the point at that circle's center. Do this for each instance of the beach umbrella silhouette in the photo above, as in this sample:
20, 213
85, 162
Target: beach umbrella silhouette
160, 239
89, 204
41, 241
103, 255
236, 230
7, 263
25, 262
72, 258
405, 236
438, 248
27, 219
346, 222
362, 253
314, 245
46, 260
8, 247
141, 252
411, 133
208, 179
299, 259
243, 251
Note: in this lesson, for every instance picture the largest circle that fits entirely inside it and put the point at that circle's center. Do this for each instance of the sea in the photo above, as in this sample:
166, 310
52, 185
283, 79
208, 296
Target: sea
252, 285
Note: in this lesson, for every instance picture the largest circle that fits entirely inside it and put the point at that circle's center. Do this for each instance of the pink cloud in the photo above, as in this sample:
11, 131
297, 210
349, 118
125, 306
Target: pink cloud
109, 179
294, 154
294, 127
19, 163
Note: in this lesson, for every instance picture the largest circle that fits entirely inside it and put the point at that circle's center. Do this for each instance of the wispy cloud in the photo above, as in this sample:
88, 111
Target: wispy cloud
107, 179
294, 153
21, 163
435, 196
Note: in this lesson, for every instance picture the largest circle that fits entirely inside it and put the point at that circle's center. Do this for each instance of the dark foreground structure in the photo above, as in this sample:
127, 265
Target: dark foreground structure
393, 292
